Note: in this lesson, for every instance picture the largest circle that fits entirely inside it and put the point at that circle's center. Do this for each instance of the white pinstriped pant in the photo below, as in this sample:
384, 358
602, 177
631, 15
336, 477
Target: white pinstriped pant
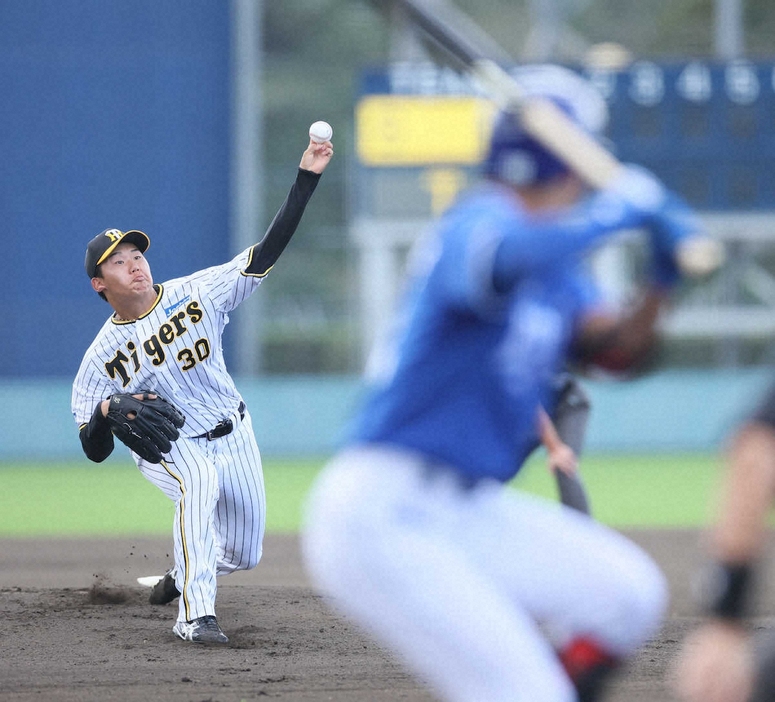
468, 586
220, 511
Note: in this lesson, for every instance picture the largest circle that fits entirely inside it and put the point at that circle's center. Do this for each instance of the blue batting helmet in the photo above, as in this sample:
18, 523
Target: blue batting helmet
514, 156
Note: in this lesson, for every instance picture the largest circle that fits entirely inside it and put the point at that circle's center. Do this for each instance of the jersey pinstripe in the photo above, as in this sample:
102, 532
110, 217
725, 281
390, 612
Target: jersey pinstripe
226, 480
175, 349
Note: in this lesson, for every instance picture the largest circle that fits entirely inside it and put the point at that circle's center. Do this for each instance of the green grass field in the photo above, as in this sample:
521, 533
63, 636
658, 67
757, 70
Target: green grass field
78, 498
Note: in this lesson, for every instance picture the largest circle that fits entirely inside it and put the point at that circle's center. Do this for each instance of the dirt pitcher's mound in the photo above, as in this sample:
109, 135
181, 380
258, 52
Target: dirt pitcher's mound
78, 627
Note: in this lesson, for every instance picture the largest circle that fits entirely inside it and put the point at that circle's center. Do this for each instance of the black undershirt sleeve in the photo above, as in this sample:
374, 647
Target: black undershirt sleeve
266, 252
96, 437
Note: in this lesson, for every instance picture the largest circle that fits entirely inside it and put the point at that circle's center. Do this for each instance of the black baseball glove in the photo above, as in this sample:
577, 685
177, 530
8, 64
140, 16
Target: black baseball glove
147, 426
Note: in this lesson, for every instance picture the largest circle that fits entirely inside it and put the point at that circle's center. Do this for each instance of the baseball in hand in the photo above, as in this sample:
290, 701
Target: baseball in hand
320, 132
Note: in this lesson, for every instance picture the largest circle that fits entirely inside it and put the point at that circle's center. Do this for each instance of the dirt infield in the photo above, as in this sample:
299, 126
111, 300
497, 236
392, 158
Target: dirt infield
77, 628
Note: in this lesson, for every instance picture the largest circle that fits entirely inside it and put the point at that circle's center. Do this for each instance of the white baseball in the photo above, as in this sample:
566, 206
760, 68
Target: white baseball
320, 132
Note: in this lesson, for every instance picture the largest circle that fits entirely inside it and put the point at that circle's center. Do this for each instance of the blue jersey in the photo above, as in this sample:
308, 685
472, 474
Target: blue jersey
494, 300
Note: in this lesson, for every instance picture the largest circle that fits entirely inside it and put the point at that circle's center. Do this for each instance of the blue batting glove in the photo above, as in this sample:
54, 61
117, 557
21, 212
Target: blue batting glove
670, 227
668, 218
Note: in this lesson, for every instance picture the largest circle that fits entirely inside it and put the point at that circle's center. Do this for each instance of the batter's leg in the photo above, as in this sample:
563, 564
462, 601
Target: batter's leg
584, 579
391, 565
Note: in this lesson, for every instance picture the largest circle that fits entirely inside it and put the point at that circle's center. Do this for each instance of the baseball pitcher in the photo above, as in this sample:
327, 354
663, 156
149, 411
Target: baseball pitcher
155, 378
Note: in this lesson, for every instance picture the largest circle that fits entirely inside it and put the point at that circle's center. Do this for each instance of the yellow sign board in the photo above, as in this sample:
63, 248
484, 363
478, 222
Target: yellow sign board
407, 130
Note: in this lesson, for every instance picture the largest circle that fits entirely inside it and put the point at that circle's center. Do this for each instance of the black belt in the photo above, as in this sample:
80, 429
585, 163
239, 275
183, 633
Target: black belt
225, 426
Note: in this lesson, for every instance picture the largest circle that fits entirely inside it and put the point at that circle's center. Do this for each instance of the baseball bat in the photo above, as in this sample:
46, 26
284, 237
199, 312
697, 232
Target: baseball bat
543, 120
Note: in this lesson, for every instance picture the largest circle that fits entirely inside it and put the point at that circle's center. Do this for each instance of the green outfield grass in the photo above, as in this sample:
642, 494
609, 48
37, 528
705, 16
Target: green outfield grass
77, 498
639, 490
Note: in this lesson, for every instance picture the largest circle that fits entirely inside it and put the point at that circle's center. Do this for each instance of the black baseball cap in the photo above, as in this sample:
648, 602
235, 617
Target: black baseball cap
102, 245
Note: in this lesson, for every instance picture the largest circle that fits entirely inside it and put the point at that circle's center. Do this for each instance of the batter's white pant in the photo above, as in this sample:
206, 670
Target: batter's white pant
456, 581
220, 511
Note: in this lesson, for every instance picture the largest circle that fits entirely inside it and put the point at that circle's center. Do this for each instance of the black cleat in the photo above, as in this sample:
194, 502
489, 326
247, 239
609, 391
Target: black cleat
202, 630
164, 591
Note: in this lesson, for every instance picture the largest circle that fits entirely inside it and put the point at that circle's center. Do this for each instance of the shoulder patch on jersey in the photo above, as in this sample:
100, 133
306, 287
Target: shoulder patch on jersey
169, 310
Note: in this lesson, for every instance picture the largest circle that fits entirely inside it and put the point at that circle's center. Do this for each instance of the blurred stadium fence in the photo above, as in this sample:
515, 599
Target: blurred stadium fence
305, 416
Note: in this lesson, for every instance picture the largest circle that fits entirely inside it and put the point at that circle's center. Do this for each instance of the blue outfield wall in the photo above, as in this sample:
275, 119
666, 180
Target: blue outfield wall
304, 416
113, 114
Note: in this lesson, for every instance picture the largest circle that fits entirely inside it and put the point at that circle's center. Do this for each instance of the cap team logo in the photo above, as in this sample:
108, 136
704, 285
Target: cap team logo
114, 235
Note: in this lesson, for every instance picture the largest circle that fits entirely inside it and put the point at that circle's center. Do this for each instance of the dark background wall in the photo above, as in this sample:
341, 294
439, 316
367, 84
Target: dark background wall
112, 114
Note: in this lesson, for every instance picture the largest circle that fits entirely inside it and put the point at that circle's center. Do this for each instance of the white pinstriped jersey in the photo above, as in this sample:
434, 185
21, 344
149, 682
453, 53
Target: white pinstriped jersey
174, 349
